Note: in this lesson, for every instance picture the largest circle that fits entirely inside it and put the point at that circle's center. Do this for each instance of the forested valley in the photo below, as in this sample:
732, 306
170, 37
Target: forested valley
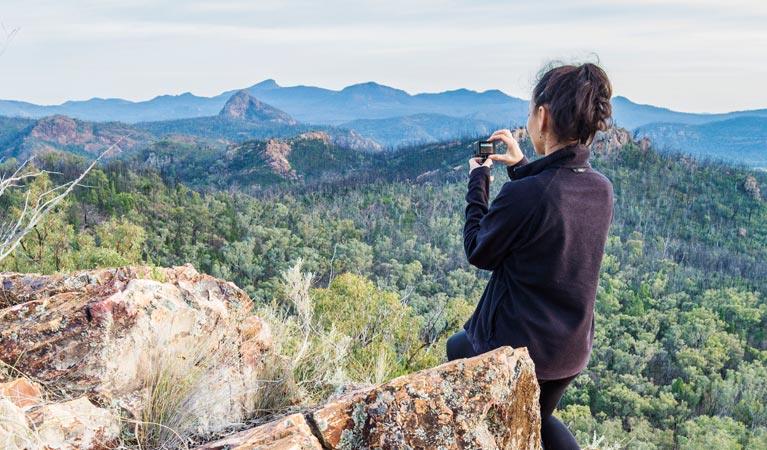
680, 353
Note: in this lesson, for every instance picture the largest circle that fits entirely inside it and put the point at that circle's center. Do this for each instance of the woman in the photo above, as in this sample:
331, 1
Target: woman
543, 237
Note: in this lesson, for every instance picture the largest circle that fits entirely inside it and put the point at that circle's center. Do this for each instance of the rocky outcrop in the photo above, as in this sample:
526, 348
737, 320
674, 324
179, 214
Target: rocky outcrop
177, 353
62, 133
276, 156
487, 402
349, 139
355, 141
752, 188
612, 140
243, 106
117, 334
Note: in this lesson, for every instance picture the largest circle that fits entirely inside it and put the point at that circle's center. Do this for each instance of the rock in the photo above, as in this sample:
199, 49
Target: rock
645, 143
289, 433
72, 425
752, 188
75, 425
486, 402
22, 393
355, 141
314, 136
257, 340
15, 434
118, 334
612, 140
276, 157
63, 130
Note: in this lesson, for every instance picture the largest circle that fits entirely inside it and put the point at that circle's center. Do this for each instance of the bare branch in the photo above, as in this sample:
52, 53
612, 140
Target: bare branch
7, 37
44, 203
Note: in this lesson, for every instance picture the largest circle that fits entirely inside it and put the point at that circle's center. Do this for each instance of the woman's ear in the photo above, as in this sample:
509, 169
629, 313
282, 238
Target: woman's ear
542, 117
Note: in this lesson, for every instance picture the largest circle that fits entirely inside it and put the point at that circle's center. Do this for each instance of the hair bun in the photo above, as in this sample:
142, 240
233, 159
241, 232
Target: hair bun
578, 99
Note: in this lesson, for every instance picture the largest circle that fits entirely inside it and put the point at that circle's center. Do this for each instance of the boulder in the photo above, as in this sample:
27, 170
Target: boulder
125, 335
23, 393
289, 433
71, 425
75, 425
486, 402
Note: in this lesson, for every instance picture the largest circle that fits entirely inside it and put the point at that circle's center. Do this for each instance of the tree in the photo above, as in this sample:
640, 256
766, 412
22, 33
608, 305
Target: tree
35, 207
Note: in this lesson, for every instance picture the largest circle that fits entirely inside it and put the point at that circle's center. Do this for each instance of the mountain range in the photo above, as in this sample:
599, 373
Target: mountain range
389, 117
242, 118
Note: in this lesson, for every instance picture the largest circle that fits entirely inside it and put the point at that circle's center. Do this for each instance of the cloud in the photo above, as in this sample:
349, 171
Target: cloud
673, 50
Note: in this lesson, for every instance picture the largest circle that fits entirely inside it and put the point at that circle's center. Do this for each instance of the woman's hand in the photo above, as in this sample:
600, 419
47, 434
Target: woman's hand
513, 153
477, 162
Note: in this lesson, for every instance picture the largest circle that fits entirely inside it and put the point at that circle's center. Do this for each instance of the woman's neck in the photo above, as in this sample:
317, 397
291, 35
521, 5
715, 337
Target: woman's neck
551, 147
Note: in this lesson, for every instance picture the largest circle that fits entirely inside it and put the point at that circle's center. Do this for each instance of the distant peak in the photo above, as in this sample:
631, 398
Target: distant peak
373, 87
243, 106
266, 84
367, 84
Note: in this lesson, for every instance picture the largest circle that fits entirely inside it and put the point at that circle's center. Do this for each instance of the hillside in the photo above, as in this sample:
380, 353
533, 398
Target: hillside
741, 140
64, 134
680, 347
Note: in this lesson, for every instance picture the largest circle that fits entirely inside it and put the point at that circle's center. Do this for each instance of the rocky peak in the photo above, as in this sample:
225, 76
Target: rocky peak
315, 135
612, 140
243, 106
63, 133
63, 130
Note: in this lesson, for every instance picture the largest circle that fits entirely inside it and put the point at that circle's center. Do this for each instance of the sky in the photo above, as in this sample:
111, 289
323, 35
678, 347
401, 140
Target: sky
687, 55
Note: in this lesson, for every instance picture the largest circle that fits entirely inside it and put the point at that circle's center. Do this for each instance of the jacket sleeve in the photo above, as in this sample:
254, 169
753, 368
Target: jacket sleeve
490, 234
510, 169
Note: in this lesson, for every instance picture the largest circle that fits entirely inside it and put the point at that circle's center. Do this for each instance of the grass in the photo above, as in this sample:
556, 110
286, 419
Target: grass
316, 358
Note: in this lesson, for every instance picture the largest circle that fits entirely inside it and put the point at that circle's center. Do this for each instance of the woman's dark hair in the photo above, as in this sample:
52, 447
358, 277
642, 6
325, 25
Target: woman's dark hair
577, 99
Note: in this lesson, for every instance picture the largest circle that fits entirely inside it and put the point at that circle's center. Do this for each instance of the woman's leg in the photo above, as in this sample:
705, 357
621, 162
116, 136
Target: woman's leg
458, 346
554, 434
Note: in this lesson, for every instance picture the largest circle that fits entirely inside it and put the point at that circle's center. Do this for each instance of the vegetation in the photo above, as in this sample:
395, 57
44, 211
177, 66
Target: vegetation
680, 355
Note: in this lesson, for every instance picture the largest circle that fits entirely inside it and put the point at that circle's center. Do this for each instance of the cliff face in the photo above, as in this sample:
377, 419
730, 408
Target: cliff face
139, 343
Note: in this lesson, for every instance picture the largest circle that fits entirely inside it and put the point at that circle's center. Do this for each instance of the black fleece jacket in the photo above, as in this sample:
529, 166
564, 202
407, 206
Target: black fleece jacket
543, 237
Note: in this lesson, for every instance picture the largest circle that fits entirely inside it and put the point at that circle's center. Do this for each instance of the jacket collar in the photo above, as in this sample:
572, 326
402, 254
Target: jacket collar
571, 157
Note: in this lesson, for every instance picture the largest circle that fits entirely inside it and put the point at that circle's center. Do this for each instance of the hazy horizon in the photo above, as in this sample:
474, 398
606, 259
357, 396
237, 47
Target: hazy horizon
685, 55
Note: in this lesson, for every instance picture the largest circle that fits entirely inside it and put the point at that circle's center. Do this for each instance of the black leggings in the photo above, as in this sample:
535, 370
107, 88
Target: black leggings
554, 434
